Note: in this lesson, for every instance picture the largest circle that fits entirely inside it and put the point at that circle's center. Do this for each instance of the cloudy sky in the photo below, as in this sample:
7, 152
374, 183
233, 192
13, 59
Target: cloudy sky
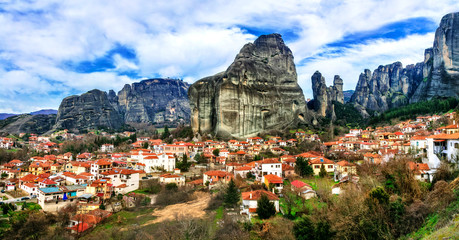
53, 49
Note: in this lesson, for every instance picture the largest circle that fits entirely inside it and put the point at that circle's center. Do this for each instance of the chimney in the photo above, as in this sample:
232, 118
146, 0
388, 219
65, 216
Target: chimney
250, 195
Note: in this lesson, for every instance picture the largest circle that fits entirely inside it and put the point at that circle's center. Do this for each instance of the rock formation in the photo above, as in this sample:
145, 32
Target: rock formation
258, 92
389, 86
324, 96
154, 101
157, 101
437, 76
88, 111
28, 123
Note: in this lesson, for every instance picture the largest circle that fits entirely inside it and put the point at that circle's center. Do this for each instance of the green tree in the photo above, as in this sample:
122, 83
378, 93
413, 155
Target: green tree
102, 206
216, 152
232, 195
304, 229
303, 168
145, 145
4, 175
265, 208
171, 187
323, 172
166, 133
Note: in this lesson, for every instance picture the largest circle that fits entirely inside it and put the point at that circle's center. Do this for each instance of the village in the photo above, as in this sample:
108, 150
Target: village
104, 181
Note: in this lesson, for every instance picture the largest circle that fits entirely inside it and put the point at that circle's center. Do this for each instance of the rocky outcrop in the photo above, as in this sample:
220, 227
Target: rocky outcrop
441, 73
324, 97
156, 101
257, 93
437, 76
388, 87
88, 111
28, 123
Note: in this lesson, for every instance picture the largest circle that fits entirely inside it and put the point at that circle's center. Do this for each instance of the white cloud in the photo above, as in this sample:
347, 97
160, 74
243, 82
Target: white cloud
189, 39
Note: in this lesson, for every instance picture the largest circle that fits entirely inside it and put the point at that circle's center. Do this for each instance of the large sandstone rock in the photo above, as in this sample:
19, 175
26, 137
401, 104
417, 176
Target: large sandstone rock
324, 96
154, 101
258, 92
437, 76
441, 75
88, 111
157, 101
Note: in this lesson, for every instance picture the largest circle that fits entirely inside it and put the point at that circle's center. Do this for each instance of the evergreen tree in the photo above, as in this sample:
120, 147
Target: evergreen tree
322, 172
232, 195
304, 229
166, 133
265, 208
102, 206
216, 152
303, 168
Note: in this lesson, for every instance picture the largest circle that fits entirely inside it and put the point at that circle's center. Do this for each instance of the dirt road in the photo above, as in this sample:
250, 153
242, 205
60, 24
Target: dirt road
194, 209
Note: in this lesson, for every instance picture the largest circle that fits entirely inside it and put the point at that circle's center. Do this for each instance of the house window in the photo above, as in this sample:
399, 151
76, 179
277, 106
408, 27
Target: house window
330, 166
456, 145
316, 166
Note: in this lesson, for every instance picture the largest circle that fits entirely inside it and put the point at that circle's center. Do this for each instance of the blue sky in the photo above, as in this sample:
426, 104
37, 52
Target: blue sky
51, 49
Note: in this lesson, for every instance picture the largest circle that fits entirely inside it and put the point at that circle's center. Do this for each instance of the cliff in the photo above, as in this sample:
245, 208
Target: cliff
88, 111
393, 86
155, 101
257, 93
324, 96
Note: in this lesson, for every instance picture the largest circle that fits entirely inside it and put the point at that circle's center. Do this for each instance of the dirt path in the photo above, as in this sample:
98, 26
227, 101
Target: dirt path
193, 209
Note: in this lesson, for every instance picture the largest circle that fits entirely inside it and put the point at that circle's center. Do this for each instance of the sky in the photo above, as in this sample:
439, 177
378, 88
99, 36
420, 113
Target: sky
53, 49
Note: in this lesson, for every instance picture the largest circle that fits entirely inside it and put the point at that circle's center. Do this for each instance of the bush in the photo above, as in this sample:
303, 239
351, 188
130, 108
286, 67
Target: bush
165, 197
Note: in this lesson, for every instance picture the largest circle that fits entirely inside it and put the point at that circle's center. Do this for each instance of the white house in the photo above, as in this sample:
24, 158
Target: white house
268, 166
443, 145
250, 201
107, 148
30, 188
172, 178
158, 162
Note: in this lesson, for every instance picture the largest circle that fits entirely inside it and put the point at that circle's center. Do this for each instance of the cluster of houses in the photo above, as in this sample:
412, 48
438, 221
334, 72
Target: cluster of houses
92, 178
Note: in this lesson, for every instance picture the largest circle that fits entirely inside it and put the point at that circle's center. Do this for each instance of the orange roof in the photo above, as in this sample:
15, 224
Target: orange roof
246, 168
321, 160
273, 178
217, 173
445, 136
255, 195
345, 163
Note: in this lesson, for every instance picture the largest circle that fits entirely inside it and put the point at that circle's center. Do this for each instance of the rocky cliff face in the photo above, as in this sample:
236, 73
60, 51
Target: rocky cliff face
438, 75
258, 92
157, 101
88, 111
325, 96
27, 123
441, 73
154, 101
389, 86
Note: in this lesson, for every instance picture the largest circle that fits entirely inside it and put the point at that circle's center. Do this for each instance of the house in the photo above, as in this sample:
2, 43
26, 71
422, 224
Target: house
177, 150
268, 166
250, 201
343, 169
287, 170
420, 170
372, 158
30, 188
317, 163
101, 165
107, 148
158, 162
82, 222
178, 179
273, 181
242, 171
216, 176
444, 145
303, 189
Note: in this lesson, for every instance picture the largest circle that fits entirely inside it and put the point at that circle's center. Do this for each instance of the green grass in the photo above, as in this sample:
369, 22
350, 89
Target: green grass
219, 213
141, 191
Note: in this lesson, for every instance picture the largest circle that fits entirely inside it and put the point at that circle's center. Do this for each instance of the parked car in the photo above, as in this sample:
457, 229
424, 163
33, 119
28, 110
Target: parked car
24, 198
3, 190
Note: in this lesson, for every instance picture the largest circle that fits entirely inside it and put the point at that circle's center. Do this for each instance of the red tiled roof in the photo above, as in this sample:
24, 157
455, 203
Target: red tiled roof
273, 178
255, 195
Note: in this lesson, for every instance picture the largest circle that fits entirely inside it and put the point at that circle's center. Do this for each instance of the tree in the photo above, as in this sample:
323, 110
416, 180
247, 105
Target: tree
304, 229
265, 208
216, 152
166, 133
4, 175
303, 168
171, 187
102, 206
145, 145
184, 165
322, 172
232, 195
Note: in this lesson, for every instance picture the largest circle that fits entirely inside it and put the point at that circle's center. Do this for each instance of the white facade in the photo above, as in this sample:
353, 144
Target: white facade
154, 163
448, 149
269, 168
